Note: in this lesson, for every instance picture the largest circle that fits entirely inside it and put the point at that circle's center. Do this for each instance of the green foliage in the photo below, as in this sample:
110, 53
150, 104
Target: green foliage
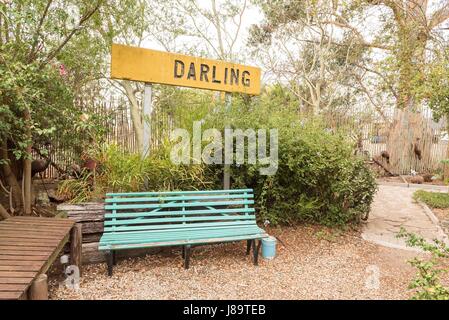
432, 199
318, 179
78, 190
119, 171
427, 284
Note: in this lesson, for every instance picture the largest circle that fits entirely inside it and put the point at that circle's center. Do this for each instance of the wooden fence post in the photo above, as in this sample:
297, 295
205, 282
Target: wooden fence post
39, 288
76, 248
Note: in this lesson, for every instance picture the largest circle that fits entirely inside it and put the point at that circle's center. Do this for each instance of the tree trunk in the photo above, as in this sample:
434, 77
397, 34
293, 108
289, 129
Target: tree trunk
11, 179
446, 165
3, 213
27, 167
409, 143
136, 116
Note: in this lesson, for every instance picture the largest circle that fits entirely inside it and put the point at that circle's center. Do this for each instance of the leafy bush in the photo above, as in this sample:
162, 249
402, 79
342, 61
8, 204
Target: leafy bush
120, 171
318, 179
432, 199
427, 284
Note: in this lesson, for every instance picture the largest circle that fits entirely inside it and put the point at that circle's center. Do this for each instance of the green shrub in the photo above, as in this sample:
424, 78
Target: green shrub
318, 179
432, 199
427, 283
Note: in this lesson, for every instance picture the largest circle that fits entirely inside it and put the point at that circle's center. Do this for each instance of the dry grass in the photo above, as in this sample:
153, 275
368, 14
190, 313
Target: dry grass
314, 264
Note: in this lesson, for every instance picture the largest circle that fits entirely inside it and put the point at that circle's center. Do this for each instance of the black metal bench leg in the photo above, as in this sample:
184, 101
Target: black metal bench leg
109, 261
186, 256
183, 252
256, 248
248, 246
114, 258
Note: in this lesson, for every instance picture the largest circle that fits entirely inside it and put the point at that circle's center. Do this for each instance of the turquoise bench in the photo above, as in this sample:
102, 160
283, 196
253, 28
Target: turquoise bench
179, 218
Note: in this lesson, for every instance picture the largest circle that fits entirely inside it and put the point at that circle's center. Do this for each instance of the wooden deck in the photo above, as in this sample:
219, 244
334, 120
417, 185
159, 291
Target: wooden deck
28, 247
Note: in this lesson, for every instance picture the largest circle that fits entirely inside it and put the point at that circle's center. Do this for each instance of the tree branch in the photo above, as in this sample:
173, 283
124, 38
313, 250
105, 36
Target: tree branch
38, 30
439, 16
83, 19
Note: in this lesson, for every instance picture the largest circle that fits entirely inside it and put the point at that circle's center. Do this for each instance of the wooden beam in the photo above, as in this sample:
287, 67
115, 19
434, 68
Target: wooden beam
76, 248
39, 288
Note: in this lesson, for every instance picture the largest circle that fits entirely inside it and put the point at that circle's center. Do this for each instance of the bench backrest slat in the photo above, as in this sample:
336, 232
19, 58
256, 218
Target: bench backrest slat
144, 211
196, 192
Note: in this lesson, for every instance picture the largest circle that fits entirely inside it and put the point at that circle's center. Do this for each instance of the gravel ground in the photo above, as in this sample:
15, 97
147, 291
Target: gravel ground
315, 263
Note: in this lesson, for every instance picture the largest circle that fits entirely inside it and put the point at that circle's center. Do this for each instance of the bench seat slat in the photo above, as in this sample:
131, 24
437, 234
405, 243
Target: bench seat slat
177, 205
178, 235
211, 230
173, 213
136, 194
178, 198
178, 226
179, 243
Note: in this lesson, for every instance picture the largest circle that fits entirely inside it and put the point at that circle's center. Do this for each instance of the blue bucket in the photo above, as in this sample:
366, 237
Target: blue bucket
269, 248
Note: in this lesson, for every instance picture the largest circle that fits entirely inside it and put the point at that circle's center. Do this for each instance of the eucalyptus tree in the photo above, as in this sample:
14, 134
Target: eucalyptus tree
397, 39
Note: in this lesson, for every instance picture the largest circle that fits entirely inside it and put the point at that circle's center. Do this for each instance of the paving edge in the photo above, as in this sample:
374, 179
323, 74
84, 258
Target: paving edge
414, 185
387, 244
434, 220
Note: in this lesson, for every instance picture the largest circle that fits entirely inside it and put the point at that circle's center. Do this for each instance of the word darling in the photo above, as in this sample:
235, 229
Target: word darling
204, 72
186, 151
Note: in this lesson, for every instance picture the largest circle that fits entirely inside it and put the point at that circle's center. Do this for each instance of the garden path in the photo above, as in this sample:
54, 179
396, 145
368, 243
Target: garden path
393, 208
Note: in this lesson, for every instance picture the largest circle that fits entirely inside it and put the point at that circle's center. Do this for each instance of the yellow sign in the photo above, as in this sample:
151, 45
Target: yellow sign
137, 64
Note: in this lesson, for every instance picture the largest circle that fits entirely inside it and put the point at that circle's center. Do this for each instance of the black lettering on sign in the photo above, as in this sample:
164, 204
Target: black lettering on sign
204, 70
214, 75
191, 74
246, 81
235, 76
179, 73
225, 76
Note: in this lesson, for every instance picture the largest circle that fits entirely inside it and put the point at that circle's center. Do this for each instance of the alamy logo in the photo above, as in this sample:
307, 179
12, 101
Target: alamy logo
187, 151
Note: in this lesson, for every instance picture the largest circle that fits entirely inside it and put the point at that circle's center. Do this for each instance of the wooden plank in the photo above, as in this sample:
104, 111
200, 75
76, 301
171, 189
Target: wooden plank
179, 220
177, 205
25, 242
12, 287
21, 268
16, 224
88, 206
17, 274
34, 247
58, 232
21, 227
39, 219
178, 243
29, 235
37, 223
55, 254
15, 280
180, 226
179, 212
13, 295
20, 263
22, 252
42, 257
178, 198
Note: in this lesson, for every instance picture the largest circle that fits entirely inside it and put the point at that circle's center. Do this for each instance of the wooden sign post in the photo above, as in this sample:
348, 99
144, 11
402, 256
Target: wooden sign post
152, 66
